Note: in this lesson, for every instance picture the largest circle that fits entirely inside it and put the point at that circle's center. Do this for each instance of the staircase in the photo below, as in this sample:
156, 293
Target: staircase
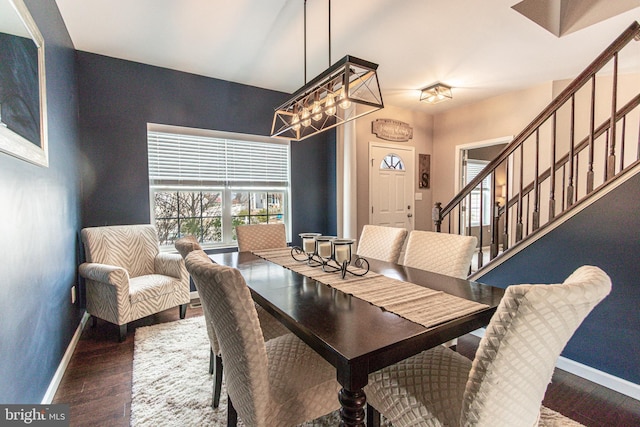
571, 154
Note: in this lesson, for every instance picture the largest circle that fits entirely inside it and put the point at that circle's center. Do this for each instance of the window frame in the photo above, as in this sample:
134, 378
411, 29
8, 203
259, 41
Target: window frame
225, 187
486, 195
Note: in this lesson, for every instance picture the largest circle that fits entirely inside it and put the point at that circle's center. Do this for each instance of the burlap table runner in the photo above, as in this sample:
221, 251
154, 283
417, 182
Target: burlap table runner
421, 305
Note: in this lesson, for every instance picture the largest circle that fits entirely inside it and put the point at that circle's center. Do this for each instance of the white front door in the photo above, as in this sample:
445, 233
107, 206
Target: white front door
391, 185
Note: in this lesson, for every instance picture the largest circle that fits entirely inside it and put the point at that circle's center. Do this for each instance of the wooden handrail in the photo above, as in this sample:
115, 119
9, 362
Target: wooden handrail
628, 107
571, 171
629, 34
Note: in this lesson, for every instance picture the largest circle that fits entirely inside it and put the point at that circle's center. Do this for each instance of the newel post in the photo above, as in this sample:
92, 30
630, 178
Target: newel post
436, 215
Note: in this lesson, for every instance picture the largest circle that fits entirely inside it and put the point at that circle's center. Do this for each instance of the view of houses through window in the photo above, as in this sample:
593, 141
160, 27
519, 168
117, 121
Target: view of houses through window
205, 185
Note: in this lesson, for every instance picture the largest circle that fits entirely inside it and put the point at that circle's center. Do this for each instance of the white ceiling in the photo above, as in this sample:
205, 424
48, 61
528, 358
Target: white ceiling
480, 47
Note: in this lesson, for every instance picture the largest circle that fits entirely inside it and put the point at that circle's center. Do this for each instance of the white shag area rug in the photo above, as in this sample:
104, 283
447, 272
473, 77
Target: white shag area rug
172, 385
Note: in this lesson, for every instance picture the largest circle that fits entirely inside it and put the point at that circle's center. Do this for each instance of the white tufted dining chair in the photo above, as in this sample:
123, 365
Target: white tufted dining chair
380, 242
507, 380
281, 382
443, 253
253, 237
270, 326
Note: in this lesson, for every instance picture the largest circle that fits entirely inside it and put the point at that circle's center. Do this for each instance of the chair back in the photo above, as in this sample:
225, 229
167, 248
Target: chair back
224, 292
185, 245
253, 237
383, 243
517, 355
443, 253
132, 247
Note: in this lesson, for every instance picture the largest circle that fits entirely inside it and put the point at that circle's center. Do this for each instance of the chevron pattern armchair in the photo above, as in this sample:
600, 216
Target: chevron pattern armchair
127, 277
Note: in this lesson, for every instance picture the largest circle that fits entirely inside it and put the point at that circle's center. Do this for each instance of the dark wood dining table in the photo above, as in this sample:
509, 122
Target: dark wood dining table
355, 336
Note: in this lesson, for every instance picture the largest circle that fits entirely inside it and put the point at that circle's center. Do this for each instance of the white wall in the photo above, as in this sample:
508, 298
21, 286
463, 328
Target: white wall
493, 118
422, 125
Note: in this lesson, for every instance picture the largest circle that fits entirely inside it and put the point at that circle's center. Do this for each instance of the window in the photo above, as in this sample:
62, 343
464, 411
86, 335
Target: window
392, 161
205, 183
474, 167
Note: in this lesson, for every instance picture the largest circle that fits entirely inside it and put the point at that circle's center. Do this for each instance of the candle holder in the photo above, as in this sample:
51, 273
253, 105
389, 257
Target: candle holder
309, 251
330, 253
342, 257
324, 247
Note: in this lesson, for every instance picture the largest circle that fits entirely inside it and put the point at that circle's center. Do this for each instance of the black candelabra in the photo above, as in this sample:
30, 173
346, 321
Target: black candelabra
330, 253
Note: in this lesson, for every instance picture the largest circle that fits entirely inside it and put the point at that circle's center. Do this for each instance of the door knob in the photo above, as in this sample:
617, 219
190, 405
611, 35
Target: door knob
409, 215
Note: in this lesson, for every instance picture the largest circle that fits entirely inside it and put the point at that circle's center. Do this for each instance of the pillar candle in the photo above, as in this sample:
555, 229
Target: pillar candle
324, 249
309, 245
342, 253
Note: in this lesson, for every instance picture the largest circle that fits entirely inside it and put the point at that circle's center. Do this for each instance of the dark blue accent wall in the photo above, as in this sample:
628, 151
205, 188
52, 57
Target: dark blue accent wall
117, 100
605, 234
315, 200
39, 222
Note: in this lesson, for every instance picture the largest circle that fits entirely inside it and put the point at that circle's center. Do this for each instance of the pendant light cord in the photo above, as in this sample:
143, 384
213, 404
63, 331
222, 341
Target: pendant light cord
329, 33
305, 38
305, 41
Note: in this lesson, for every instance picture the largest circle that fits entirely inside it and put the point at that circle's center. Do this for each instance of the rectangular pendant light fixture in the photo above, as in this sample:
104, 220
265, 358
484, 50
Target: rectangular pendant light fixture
345, 91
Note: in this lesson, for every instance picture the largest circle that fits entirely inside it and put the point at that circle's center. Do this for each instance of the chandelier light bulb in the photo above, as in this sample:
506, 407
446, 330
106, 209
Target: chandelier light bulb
330, 104
305, 116
295, 121
344, 102
316, 111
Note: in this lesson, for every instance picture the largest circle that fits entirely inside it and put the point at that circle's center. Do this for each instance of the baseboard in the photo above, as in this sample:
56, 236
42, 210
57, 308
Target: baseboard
62, 367
595, 376
606, 380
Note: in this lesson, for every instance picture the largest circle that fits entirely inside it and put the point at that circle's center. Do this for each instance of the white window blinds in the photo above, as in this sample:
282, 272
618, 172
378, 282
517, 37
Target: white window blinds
474, 167
210, 160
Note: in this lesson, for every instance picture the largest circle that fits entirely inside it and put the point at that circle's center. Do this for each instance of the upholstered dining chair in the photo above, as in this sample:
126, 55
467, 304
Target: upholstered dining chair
443, 253
253, 237
270, 326
127, 277
380, 242
280, 382
514, 363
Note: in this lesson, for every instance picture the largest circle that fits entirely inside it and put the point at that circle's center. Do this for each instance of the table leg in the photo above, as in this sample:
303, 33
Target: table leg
353, 403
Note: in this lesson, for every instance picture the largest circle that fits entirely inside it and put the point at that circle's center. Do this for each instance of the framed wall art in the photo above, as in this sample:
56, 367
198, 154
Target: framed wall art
424, 171
23, 107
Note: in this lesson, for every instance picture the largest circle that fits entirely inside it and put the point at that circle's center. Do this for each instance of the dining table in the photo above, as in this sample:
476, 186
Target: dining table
352, 326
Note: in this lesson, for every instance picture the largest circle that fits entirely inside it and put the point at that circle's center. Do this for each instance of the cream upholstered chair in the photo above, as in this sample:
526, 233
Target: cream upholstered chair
127, 277
383, 243
281, 382
253, 237
271, 327
443, 253
507, 380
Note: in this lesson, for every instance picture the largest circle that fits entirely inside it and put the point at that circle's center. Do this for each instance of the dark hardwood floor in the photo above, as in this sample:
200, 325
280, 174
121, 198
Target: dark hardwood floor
97, 383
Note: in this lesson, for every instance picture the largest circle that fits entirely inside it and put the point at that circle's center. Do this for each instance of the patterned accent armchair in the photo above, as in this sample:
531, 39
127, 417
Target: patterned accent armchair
383, 243
127, 277
514, 363
253, 237
442, 253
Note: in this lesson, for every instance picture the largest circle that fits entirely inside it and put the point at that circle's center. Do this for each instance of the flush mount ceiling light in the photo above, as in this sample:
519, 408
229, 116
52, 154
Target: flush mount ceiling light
345, 91
436, 93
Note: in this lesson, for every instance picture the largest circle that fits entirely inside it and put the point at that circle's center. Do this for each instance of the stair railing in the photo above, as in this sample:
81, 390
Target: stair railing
546, 156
